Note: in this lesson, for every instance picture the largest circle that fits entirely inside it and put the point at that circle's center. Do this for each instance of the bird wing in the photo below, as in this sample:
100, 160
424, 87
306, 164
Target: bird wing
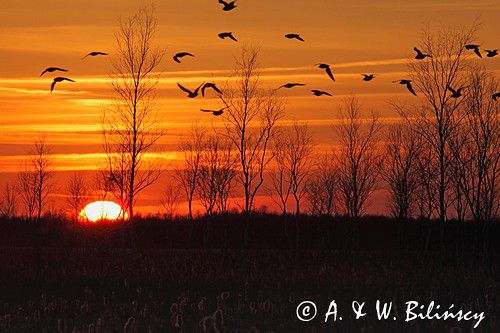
230, 35
452, 90
300, 38
66, 79
176, 59
53, 85
410, 88
223, 2
86, 56
184, 89
476, 51
198, 89
205, 110
330, 74
417, 50
214, 87
45, 71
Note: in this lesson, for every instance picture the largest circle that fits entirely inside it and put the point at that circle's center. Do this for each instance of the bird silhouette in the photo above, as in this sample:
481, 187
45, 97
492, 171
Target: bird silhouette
491, 53
456, 93
53, 69
408, 85
420, 55
228, 5
327, 69
191, 94
368, 77
292, 85
320, 93
94, 54
59, 79
475, 48
211, 86
294, 36
180, 55
495, 96
225, 35
214, 112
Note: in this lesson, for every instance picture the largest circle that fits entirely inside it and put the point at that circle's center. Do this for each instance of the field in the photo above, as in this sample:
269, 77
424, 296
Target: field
207, 276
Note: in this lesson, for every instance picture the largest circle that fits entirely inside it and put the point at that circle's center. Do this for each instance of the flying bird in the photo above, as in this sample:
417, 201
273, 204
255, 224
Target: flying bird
320, 93
327, 69
475, 48
180, 55
368, 77
214, 112
191, 94
294, 36
292, 85
59, 79
211, 86
456, 93
420, 55
53, 69
225, 35
94, 54
495, 96
228, 5
408, 85
491, 53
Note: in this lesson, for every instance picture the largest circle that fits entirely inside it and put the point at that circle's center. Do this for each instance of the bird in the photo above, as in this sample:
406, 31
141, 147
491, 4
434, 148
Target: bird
214, 112
225, 35
191, 94
292, 85
368, 77
181, 55
59, 79
491, 53
94, 54
294, 36
53, 69
228, 5
210, 85
320, 93
495, 96
327, 69
456, 93
408, 85
475, 48
421, 55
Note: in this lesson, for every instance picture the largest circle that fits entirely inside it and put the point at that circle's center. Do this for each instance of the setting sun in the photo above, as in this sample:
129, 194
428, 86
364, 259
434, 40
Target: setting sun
102, 210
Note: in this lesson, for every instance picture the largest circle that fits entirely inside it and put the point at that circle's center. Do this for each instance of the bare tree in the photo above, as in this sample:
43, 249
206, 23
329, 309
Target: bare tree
130, 130
439, 113
322, 187
27, 185
250, 122
358, 159
293, 151
77, 193
8, 201
187, 175
170, 200
401, 172
475, 148
216, 174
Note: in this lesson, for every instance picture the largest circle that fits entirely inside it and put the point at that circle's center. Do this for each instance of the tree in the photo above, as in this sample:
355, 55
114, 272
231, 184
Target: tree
293, 150
170, 200
439, 114
35, 179
8, 201
475, 148
77, 191
401, 171
250, 123
187, 176
216, 174
129, 128
358, 159
322, 187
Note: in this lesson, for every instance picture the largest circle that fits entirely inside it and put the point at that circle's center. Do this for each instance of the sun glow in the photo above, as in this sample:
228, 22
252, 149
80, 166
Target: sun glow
102, 210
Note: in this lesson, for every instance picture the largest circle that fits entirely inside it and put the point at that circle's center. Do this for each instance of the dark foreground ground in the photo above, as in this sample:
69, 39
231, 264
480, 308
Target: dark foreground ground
199, 277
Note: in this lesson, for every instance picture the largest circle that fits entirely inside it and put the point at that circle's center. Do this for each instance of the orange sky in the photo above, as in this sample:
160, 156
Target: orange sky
355, 36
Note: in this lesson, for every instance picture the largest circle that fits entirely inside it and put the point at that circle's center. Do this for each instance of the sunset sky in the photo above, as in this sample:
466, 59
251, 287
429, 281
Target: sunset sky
355, 36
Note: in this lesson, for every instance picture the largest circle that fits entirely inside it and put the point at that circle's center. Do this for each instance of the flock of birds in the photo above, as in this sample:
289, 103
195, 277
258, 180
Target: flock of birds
327, 68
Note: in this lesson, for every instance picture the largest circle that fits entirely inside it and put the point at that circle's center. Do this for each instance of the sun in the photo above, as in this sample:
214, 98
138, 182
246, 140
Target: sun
102, 210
